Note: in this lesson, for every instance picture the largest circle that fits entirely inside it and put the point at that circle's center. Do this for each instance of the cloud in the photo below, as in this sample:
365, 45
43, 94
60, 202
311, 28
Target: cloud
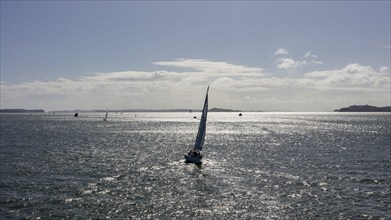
126, 89
281, 51
384, 69
312, 58
290, 64
212, 67
127, 76
232, 86
353, 76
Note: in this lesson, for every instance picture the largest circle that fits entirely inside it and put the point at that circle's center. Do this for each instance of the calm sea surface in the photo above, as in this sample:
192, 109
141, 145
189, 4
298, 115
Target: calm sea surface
258, 166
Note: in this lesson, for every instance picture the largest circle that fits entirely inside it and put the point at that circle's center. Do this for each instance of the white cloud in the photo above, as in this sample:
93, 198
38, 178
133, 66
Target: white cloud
312, 58
213, 68
353, 76
310, 55
384, 69
281, 51
290, 64
230, 83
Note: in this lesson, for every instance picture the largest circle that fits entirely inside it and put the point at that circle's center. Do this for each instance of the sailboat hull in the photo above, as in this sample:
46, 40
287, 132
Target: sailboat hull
192, 159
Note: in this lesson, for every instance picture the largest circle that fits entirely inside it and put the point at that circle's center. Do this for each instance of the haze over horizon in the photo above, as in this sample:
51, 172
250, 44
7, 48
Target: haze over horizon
296, 56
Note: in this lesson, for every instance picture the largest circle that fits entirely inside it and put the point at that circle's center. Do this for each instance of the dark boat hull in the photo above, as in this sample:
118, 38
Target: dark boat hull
193, 159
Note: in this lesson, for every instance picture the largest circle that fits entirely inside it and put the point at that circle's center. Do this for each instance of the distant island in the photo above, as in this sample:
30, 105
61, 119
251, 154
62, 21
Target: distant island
22, 111
364, 108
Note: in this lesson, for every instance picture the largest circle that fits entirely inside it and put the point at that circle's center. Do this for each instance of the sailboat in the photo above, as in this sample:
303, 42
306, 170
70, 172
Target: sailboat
107, 114
194, 155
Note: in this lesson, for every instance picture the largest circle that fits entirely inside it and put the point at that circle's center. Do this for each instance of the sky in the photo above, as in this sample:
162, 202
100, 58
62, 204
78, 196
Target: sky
255, 55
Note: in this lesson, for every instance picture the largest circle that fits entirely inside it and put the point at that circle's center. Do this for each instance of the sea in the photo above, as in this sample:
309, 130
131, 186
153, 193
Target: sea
258, 166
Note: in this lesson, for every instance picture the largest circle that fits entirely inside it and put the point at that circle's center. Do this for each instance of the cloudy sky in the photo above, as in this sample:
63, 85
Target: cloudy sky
256, 55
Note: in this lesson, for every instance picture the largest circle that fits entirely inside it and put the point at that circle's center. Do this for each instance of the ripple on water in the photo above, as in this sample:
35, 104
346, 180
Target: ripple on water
259, 166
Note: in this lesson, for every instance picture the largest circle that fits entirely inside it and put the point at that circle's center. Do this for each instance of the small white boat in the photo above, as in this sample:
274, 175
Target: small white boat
195, 155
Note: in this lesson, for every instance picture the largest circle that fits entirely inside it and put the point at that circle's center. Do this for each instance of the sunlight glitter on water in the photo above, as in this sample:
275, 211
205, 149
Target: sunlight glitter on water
258, 166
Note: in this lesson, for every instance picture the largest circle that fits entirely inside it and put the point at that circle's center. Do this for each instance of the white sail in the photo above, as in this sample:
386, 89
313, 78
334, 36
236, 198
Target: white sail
199, 143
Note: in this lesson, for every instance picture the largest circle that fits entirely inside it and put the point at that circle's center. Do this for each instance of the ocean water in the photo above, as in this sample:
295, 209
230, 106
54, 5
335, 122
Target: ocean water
258, 166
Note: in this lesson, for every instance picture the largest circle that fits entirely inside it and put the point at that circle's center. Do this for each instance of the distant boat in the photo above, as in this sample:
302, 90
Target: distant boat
194, 155
76, 114
107, 114
240, 114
